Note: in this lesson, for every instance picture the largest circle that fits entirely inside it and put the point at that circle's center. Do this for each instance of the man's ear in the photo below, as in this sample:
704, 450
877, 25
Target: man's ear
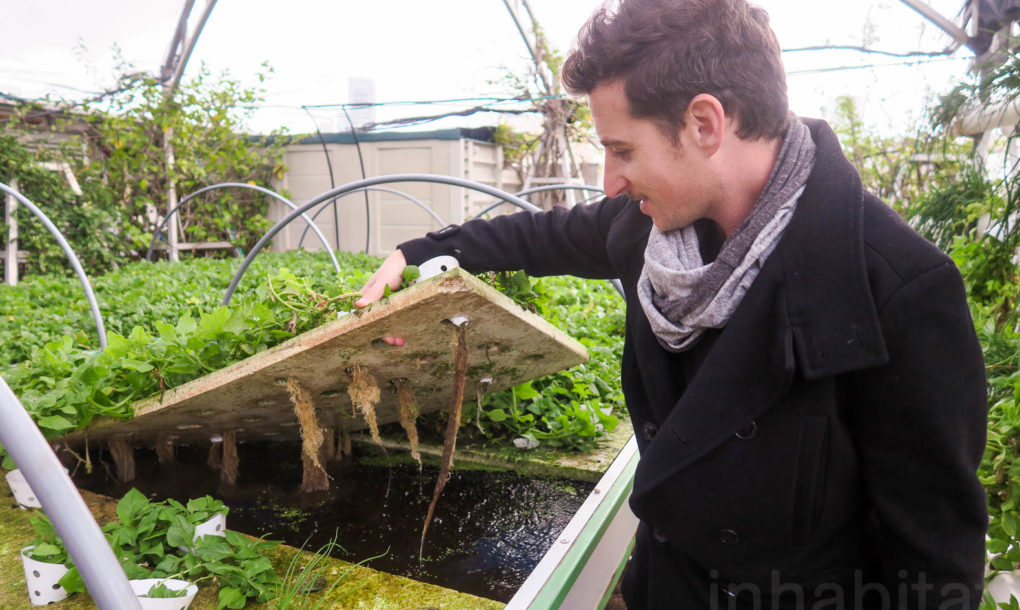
707, 122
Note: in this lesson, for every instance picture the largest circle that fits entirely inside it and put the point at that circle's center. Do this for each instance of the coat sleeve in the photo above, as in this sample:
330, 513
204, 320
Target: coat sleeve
555, 242
920, 425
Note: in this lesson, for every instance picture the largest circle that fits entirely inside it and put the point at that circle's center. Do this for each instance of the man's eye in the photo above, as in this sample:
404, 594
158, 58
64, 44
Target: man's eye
619, 153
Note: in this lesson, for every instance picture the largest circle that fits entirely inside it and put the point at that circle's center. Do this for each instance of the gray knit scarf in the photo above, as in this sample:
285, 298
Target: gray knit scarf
680, 294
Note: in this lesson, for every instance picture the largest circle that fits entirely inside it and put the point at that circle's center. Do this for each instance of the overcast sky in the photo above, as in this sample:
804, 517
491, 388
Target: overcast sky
416, 50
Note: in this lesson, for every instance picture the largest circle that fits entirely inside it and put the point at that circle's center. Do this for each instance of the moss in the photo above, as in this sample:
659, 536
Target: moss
481, 370
362, 587
508, 372
440, 370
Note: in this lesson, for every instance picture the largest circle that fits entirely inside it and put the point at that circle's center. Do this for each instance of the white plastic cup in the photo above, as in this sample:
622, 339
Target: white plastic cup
23, 494
1003, 585
214, 526
142, 586
42, 578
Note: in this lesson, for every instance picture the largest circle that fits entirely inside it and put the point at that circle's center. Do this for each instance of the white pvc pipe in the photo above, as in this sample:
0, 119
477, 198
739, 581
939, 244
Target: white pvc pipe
63, 504
980, 120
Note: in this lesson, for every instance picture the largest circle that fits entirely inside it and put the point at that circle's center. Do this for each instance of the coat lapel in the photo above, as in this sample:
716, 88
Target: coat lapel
810, 309
832, 311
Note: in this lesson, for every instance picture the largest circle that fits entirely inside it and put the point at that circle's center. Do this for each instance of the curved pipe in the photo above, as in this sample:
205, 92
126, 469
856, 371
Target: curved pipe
61, 501
71, 256
374, 188
352, 186
556, 187
617, 284
260, 189
539, 189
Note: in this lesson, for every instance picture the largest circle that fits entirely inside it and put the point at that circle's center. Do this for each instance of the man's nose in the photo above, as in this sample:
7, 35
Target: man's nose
613, 183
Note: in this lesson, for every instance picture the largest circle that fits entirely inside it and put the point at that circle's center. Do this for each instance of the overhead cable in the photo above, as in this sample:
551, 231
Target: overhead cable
865, 66
860, 49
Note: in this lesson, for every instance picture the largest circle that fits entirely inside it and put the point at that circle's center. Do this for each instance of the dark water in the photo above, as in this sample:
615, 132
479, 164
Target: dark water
489, 532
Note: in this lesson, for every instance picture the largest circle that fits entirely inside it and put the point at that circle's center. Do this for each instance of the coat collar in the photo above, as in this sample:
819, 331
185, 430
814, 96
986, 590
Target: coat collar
829, 301
809, 310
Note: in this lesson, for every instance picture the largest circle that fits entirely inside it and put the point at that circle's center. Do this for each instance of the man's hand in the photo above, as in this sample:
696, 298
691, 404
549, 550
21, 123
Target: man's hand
387, 273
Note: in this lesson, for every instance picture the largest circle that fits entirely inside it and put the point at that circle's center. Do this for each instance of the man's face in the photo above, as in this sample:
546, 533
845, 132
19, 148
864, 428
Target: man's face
672, 183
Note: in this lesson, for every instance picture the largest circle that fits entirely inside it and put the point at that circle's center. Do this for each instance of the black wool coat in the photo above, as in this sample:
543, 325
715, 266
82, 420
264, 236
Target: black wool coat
818, 451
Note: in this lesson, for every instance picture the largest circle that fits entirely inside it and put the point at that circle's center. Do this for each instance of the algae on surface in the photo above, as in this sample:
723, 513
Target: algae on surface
361, 588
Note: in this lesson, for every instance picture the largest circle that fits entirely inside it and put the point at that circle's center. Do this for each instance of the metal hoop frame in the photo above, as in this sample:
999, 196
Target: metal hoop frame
71, 256
311, 224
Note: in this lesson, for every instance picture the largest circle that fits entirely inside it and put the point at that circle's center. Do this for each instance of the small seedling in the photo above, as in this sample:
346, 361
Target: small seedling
161, 591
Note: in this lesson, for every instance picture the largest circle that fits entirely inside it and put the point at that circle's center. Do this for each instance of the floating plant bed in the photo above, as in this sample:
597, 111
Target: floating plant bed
255, 398
462, 337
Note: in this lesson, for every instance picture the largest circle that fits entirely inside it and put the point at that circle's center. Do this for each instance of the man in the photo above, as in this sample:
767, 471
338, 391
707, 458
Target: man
800, 367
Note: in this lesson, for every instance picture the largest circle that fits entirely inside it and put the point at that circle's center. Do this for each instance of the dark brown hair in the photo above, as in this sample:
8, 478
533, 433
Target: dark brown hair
668, 51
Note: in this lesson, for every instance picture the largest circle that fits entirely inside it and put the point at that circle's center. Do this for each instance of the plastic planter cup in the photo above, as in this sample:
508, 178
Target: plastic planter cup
23, 494
42, 578
214, 526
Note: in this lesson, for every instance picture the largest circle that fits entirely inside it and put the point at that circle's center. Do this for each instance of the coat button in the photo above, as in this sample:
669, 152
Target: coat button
649, 430
728, 537
658, 535
748, 431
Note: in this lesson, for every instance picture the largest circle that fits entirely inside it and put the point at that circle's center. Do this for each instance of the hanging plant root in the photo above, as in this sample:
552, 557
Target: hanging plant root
365, 395
165, 450
328, 450
343, 448
460, 362
123, 458
314, 477
409, 409
231, 463
215, 458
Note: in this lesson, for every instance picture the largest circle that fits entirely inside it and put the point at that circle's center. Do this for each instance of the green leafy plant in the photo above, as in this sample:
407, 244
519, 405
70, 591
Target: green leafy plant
166, 327
84, 219
161, 591
123, 174
157, 540
547, 418
1000, 466
309, 308
47, 545
569, 409
203, 123
64, 387
410, 274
